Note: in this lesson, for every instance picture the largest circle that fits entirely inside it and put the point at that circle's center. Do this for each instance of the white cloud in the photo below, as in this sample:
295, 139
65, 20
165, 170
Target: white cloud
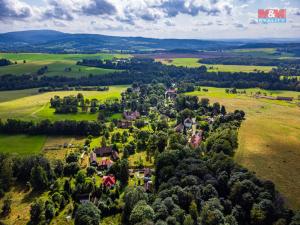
153, 18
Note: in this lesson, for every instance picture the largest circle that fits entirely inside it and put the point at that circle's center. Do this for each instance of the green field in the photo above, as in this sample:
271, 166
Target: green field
269, 138
36, 107
271, 53
12, 95
193, 62
21, 144
56, 63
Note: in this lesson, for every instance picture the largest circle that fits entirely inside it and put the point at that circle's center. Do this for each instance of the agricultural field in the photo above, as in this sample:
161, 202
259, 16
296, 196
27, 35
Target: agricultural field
37, 107
33, 106
57, 64
12, 95
193, 62
269, 138
22, 144
272, 53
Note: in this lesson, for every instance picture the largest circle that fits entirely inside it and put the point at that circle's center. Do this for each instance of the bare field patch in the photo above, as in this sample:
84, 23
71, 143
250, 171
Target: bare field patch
59, 147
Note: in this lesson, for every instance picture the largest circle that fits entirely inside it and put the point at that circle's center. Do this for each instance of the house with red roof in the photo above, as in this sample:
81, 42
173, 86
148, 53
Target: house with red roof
196, 139
109, 181
105, 163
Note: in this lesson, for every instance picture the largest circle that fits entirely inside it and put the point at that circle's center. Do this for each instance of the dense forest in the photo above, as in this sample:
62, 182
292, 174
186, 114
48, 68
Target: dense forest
194, 182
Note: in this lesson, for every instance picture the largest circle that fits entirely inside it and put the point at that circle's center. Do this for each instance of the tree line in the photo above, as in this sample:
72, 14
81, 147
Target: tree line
66, 127
146, 70
251, 61
5, 62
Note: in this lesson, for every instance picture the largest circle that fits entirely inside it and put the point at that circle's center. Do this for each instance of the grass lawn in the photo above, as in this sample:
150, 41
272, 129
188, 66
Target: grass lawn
116, 116
21, 144
193, 62
137, 156
56, 63
36, 107
269, 138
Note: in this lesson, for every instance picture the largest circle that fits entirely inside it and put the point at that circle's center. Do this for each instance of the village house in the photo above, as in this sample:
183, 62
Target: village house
107, 151
115, 155
131, 115
124, 124
179, 128
148, 186
196, 139
83, 198
171, 93
103, 151
147, 175
109, 181
105, 163
93, 159
188, 122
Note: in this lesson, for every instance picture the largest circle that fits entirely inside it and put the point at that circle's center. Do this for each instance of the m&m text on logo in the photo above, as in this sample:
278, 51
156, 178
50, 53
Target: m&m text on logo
272, 15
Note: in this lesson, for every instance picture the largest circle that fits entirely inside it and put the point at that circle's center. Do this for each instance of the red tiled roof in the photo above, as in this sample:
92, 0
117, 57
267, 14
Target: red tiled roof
106, 162
109, 181
196, 140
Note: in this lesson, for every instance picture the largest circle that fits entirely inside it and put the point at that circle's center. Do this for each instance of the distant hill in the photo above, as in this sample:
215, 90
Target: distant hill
59, 42
54, 41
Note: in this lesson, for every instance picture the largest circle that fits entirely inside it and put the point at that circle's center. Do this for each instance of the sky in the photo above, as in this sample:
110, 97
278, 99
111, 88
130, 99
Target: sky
200, 19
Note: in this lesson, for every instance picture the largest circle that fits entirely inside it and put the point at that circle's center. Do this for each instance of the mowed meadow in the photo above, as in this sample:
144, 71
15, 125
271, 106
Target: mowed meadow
194, 62
30, 105
269, 138
56, 63
37, 106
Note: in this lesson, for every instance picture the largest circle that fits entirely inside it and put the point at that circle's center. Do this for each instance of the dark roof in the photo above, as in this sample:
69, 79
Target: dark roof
115, 155
103, 150
124, 124
147, 172
179, 127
